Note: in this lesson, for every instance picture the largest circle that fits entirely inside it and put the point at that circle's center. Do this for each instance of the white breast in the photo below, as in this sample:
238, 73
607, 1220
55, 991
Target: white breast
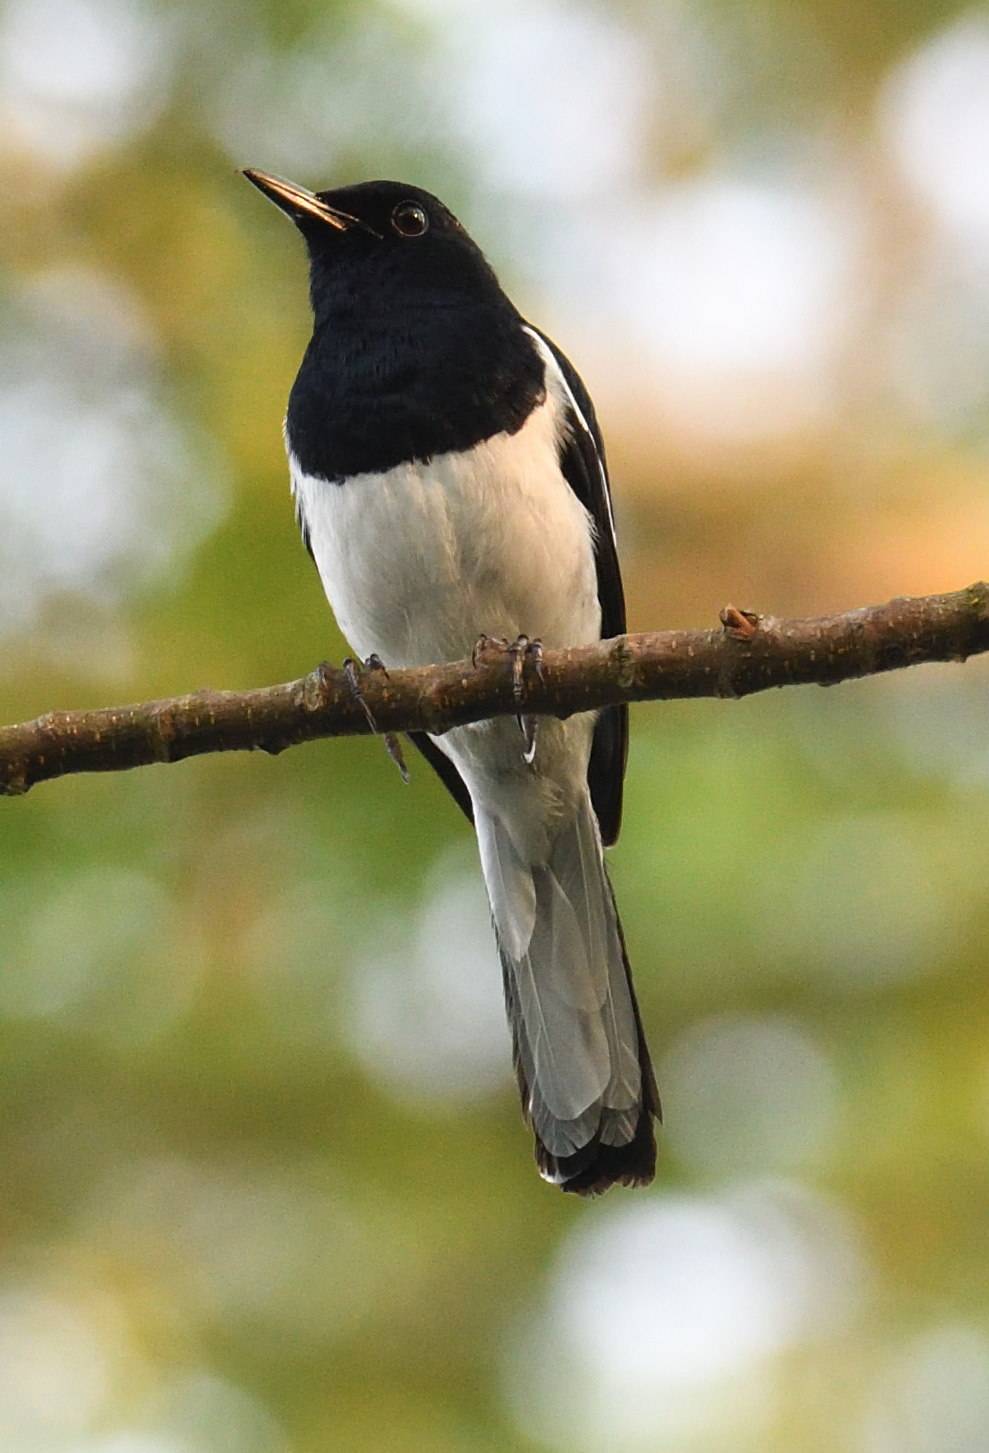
418, 561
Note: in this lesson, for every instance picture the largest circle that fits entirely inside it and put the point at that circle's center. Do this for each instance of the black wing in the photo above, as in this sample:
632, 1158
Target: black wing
585, 470
446, 771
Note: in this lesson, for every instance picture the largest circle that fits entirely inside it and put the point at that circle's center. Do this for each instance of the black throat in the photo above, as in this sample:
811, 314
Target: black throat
388, 379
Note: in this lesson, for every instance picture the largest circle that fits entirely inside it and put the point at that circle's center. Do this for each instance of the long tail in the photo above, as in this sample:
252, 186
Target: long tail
580, 1055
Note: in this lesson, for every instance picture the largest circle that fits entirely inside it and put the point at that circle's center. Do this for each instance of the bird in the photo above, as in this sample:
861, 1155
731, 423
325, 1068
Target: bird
450, 483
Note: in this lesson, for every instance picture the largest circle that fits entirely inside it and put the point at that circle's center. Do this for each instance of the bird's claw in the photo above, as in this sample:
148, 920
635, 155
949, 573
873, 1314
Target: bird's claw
517, 651
485, 643
523, 649
529, 727
352, 671
393, 746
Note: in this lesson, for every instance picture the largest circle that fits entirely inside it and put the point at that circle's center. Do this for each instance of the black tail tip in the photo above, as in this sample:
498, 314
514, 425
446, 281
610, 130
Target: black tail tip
597, 1167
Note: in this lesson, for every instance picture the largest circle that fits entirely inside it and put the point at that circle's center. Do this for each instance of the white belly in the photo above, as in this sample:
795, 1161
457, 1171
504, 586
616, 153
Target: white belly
419, 561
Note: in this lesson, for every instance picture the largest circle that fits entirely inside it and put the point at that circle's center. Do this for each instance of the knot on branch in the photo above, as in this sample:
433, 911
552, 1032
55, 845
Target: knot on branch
740, 625
162, 731
318, 688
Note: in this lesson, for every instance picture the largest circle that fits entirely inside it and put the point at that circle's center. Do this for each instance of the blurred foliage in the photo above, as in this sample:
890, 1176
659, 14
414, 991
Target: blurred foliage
264, 1182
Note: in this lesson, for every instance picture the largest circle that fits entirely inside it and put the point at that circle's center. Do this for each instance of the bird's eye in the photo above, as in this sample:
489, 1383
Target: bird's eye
409, 219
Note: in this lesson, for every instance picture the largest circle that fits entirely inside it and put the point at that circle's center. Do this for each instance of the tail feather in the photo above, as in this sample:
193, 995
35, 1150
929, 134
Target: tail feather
580, 1055
580, 861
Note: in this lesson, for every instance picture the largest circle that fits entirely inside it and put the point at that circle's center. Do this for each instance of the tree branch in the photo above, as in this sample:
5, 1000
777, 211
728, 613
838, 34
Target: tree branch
748, 653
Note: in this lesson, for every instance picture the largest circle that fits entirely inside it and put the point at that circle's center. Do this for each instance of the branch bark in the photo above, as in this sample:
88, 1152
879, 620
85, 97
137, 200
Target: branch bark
748, 653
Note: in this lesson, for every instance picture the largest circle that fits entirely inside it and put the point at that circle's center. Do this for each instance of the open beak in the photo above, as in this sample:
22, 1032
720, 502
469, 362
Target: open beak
296, 201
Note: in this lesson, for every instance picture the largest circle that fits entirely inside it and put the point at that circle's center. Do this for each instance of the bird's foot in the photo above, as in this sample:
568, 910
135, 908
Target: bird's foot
520, 651
353, 671
523, 650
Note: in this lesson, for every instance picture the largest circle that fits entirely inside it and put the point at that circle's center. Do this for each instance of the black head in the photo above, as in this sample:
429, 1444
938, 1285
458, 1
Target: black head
383, 239
416, 350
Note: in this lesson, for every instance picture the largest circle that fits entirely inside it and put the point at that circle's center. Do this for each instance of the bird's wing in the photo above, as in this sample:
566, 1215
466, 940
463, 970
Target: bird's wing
446, 771
585, 470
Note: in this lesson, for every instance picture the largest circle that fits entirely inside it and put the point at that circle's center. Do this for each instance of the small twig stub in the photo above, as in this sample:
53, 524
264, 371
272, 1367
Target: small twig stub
741, 625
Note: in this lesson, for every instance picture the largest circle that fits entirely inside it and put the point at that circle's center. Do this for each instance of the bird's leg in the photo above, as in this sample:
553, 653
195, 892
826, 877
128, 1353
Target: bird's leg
521, 650
352, 671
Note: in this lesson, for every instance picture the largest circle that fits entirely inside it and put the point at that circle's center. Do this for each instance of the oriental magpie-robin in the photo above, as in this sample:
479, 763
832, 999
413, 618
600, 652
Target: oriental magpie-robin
450, 483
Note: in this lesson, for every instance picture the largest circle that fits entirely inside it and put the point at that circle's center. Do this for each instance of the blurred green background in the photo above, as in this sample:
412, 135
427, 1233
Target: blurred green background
264, 1185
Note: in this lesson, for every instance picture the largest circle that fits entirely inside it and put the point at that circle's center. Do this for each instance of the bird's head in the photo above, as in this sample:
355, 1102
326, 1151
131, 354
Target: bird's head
389, 242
